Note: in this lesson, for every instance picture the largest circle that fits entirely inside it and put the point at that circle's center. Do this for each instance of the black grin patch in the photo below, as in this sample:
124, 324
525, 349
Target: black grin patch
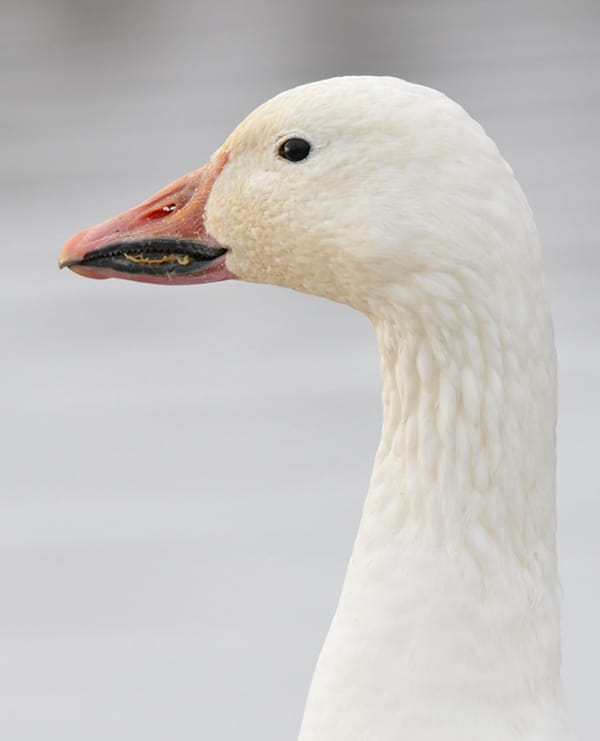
154, 257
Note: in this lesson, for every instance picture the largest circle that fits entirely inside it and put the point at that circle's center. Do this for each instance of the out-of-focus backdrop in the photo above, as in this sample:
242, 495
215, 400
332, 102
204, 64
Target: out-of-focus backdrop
182, 470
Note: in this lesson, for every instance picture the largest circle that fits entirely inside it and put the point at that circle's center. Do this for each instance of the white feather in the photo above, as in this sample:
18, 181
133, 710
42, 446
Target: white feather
447, 627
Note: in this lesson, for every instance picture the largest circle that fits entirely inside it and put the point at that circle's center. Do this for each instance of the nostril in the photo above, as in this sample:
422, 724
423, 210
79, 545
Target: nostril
159, 213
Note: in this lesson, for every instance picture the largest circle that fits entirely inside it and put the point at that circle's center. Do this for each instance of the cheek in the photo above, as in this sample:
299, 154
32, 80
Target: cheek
256, 226
280, 233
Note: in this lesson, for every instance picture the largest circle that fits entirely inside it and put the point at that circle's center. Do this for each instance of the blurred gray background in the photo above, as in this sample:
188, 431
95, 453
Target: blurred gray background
183, 469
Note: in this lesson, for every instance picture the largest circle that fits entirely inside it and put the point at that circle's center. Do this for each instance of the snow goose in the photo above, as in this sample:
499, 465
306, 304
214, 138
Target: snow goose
388, 197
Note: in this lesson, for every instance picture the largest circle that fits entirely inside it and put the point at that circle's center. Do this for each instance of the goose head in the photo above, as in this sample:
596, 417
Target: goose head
352, 188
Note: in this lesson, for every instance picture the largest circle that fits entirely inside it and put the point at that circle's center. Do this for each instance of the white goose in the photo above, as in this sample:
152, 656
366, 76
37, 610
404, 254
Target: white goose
388, 197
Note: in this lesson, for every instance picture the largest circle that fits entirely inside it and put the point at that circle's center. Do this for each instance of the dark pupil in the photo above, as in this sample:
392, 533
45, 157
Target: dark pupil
294, 149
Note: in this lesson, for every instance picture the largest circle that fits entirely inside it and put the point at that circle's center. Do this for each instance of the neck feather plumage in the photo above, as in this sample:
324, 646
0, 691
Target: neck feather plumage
447, 626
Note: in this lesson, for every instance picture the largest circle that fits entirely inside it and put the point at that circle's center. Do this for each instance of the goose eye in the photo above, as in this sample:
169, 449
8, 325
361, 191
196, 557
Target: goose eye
294, 149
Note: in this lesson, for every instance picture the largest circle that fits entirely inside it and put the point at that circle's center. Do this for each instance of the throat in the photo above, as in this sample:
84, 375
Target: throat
447, 625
